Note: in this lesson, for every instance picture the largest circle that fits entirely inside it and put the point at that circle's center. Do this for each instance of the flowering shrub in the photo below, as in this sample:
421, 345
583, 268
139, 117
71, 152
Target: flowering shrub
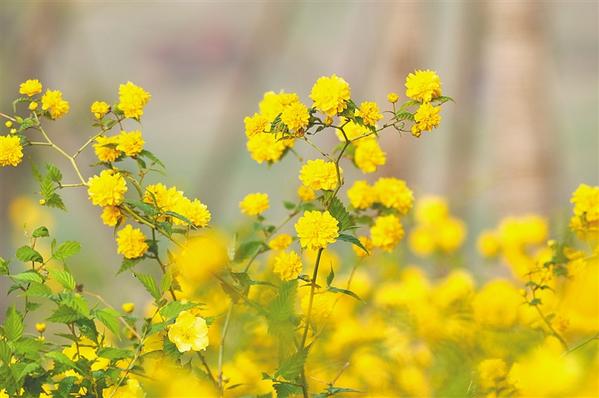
276, 311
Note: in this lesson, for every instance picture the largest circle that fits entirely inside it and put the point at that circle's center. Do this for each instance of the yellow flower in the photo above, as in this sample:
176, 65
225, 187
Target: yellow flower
450, 234
274, 104
131, 242
131, 389
394, 193
208, 249
423, 85
265, 147
426, 118
295, 116
361, 195
586, 203
386, 232
131, 143
369, 155
280, 242
431, 210
491, 372
165, 199
128, 307
488, 244
11, 151
106, 148
392, 97
254, 204
367, 243
111, 215
422, 241
132, 100
194, 210
107, 189
316, 229
30, 87
8, 124
52, 102
99, 109
189, 332
496, 304
318, 174
305, 194
330, 95
287, 265
40, 327
369, 112
33, 106
256, 124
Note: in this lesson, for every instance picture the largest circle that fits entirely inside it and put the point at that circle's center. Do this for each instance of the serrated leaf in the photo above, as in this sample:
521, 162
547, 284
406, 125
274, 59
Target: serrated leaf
65, 314
128, 263
353, 240
286, 390
5, 351
64, 277
4, 267
36, 289
150, 284
61, 358
76, 302
13, 324
27, 253
66, 250
27, 276
290, 368
172, 309
54, 173
404, 115
110, 318
341, 214
40, 232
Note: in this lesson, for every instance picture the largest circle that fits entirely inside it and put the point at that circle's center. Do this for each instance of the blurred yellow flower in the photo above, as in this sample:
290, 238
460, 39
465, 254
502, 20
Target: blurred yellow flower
394, 193
106, 148
361, 195
189, 332
369, 155
386, 232
280, 242
287, 265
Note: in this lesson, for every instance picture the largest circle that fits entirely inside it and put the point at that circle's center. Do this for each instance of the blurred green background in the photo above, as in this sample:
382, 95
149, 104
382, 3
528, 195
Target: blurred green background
521, 136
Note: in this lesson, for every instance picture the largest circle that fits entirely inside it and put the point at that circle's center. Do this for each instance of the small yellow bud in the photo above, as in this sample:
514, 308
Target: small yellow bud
42, 202
13, 131
328, 121
40, 327
392, 97
8, 124
32, 106
128, 307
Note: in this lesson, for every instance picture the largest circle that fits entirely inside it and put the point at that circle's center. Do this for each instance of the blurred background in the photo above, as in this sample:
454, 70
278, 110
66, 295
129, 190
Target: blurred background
521, 136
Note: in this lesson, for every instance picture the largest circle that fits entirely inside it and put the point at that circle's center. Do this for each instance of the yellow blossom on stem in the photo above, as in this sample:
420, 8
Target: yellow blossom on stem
305, 193
11, 150
130, 142
316, 230
369, 112
165, 199
132, 100
53, 103
426, 118
40, 327
194, 210
386, 232
280, 242
265, 147
392, 97
361, 195
33, 106
254, 204
107, 189
189, 332
128, 307
423, 85
318, 174
394, 193
131, 242
99, 109
330, 95
256, 124
106, 148
287, 265
369, 155
111, 215
30, 87
295, 116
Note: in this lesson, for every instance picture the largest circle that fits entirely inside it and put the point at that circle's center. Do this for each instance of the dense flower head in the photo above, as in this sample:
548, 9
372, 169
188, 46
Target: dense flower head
392, 97
30, 87
189, 332
386, 232
265, 147
273, 104
423, 85
131, 242
369, 112
426, 118
280, 242
330, 95
394, 193
369, 155
11, 150
295, 116
111, 215
305, 193
586, 208
131, 143
106, 148
361, 195
132, 100
316, 230
256, 124
107, 189
287, 265
319, 174
99, 109
194, 210
254, 204
53, 103
431, 209
165, 199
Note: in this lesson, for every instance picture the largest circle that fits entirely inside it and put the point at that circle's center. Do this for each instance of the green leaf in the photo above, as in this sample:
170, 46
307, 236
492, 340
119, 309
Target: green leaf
67, 249
341, 214
28, 346
152, 157
41, 232
289, 205
172, 309
247, 249
128, 263
144, 207
441, 100
110, 318
290, 368
65, 314
404, 115
353, 240
64, 277
4, 267
114, 353
344, 291
179, 216
286, 390
330, 277
61, 358
13, 324
76, 302
37, 289
5, 352
54, 173
27, 253
150, 285
27, 276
